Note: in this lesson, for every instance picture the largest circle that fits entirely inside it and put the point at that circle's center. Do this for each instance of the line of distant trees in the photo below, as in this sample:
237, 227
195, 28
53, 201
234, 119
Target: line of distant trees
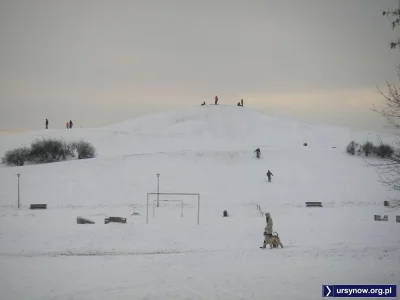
368, 148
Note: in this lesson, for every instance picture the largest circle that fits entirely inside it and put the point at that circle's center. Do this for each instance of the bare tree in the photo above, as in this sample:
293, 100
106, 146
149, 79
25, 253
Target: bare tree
389, 169
395, 23
389, 172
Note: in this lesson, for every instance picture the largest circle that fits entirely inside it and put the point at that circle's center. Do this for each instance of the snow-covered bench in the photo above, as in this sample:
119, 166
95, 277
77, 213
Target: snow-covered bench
115, 219
313, 204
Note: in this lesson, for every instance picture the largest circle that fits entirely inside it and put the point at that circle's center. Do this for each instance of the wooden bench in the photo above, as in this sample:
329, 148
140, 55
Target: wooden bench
313, 204
81, 220
379, 218
115, 220
38, 206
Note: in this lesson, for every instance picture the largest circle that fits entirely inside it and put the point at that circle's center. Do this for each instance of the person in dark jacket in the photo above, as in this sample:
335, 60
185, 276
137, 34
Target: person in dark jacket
241, 101
269, 174
216, 100
238, 104
258, 152
47, 124
70, 124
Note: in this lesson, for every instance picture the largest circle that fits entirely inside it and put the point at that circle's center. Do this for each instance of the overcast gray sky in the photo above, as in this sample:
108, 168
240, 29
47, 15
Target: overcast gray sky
98, 62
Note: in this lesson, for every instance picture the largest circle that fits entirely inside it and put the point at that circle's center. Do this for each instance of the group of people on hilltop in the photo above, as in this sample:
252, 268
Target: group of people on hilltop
240, 103
68, 125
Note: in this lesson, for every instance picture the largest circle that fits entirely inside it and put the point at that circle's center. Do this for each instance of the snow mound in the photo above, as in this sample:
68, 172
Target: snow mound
206, 150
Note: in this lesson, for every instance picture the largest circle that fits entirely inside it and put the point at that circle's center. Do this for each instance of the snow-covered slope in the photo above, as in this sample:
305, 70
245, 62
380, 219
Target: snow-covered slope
206, 150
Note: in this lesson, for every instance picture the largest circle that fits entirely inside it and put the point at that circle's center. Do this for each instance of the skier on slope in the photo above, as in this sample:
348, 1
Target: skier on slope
216, 100
269, 174
258, 152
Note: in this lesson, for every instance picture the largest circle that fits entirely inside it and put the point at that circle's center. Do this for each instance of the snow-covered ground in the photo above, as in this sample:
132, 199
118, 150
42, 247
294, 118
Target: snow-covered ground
45, 254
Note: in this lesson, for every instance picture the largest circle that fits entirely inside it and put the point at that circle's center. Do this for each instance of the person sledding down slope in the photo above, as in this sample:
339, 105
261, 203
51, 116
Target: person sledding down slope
269, 174
258, 152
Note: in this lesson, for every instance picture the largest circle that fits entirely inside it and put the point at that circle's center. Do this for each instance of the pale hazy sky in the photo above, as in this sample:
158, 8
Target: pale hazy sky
100, 62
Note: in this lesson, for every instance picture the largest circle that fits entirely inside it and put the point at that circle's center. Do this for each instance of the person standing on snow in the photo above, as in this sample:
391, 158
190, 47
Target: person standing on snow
269, 174
70, 124
258, 152
47, 124
216, 100
268, 228
241, 101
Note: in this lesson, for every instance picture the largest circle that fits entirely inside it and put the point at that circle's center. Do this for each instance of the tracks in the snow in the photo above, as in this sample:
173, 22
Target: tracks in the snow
101, 253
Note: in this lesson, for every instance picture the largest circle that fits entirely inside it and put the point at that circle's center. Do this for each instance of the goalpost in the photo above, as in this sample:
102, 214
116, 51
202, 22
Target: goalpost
173, 194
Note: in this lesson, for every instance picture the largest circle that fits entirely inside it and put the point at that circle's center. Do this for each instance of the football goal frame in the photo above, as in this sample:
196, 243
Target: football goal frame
173, 194
155, 201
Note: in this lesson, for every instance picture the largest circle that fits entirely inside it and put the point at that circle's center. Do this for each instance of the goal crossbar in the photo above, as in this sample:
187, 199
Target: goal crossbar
175, 194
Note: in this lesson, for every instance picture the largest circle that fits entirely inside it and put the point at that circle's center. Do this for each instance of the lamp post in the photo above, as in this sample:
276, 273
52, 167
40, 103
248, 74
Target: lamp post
158, 190
18, 188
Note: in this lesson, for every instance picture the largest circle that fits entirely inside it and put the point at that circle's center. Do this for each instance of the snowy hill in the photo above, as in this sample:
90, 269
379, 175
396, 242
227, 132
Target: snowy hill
206, 150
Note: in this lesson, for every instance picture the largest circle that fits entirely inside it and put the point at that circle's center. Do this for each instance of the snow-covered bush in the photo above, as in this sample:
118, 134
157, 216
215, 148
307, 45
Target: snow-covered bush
351, 148
16, 157
85, 149
49, 150
384, 150
368, 148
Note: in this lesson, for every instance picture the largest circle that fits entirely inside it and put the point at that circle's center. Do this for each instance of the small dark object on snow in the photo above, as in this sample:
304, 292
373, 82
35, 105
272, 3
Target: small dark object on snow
379, 218
313, 204
386, 203
81, 220
305, 144
398, 219
38, 206
114, 219
136, 214
225, 213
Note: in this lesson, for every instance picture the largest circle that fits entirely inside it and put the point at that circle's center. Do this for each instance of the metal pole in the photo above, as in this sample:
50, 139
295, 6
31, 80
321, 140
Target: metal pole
147, 210
18, 188
198, 209
158, 190
181, 209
